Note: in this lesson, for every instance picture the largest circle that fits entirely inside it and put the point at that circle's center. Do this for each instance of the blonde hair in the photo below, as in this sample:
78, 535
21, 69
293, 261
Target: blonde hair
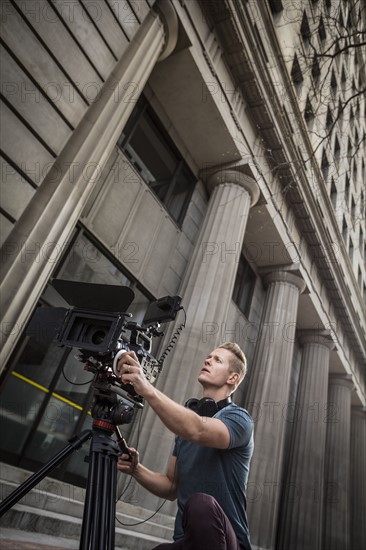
238, 363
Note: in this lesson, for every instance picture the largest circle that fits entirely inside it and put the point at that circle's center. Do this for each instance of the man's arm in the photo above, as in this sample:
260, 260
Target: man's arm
161, 485
209, 432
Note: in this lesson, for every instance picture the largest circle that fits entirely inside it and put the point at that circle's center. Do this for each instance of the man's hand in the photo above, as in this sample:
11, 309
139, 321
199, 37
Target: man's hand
211, 432
127, 463
131, 373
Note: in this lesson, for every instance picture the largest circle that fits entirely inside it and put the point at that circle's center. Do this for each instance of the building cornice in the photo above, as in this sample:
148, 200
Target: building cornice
244, 61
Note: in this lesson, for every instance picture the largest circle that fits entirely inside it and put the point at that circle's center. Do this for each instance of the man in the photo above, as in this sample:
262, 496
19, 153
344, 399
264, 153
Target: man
209, 468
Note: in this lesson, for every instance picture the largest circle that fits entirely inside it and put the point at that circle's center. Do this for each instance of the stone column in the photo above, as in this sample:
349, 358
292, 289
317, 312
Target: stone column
268, 392
206, 295
302, 494
337, 464
358, 478
50, 217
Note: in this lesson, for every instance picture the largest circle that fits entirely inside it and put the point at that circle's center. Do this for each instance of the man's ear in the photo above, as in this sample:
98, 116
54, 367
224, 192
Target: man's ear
233, 378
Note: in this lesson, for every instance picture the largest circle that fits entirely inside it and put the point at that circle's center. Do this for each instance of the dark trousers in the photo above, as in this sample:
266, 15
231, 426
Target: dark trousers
205, 526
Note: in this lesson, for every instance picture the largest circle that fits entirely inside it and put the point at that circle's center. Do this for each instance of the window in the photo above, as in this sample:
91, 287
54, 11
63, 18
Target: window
244, 286
315, 69
333, 194
305, 28
275, 6
150, 149
344, 230
347, 187
329, 119
353, 209
343, 80
321, 30
350, 250
333, 83
337, 150
46, 396
296, 73
308, 113
324, 166
340, 113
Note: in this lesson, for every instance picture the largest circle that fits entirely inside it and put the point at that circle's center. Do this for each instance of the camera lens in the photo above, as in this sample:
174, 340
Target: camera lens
97, 337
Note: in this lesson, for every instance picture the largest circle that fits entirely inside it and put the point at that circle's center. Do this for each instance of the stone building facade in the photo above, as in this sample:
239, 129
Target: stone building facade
212, 150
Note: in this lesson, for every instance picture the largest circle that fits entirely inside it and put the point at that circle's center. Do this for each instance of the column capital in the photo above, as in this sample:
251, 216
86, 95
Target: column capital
283, 275
316, 336
237, 177
336, 379
169, 18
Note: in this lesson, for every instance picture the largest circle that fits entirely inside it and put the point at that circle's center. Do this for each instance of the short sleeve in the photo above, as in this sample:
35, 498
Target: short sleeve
240, 425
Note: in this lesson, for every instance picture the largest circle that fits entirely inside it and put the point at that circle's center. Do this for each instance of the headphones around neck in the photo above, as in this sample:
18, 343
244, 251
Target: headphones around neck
207, 406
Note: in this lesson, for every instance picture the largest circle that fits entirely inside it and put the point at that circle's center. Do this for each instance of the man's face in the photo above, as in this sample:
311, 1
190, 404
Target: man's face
216, 369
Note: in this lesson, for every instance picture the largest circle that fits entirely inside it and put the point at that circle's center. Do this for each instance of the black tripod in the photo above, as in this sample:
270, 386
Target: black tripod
98, 524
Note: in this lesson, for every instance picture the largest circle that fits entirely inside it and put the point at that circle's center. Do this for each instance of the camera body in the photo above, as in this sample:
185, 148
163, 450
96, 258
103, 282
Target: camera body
100, 333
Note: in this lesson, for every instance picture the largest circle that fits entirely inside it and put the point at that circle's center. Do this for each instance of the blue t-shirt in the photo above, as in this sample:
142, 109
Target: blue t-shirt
221, 473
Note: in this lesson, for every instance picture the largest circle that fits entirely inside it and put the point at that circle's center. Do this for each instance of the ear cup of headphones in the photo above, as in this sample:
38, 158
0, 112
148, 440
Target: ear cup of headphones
192, 404
206, 406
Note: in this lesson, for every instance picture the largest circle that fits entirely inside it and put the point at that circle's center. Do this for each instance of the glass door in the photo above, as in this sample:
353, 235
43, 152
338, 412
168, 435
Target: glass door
46, 394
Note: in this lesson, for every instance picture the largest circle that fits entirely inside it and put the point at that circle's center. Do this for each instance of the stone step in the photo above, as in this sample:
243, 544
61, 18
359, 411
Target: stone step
56, 508
25, 518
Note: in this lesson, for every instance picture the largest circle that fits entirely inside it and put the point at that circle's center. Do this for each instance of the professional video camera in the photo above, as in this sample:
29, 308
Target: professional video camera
101, 334
99, 327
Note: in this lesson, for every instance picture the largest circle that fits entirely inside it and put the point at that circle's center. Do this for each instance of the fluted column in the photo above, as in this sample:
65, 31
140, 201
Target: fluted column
358, 478
50, 217
206, 295
302, 495
337, 464
268, 395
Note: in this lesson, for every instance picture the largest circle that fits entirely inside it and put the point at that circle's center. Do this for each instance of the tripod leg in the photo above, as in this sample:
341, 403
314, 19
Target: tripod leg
88, 505
98, 504
112, 503
99, 511
108, 498
74, 444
